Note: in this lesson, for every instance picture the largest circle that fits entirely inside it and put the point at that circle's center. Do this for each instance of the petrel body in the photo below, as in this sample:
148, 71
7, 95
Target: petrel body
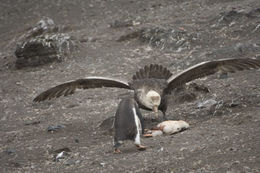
128, 124
153, 83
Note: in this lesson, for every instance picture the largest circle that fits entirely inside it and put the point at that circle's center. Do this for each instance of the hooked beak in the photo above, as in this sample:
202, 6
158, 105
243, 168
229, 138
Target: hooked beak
155, 109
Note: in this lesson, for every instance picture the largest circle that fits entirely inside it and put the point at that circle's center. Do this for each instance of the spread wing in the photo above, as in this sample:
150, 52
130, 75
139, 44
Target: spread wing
86, 83
210, 67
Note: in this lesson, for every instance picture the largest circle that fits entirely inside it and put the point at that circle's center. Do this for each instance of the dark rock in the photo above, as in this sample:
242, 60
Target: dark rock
9, 151
76, 140
230, 16
185, 96
55, 128
234, 104
223, 76
66, 149
15, 164
198, 87
32, 123
231, 104
43, 44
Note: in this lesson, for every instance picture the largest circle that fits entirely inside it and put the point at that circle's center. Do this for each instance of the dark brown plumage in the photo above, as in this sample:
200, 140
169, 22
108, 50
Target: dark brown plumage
153, 78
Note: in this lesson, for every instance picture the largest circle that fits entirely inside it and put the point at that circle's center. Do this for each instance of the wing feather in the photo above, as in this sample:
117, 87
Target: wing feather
211, 67
69, 88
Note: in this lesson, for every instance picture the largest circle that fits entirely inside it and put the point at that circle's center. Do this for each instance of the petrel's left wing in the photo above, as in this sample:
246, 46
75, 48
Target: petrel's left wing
211, 67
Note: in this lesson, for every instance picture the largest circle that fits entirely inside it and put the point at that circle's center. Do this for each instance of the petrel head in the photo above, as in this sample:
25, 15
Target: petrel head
153, 100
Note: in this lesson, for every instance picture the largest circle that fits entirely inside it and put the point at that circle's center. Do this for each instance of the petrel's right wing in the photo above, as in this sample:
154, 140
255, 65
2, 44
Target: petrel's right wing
86, 83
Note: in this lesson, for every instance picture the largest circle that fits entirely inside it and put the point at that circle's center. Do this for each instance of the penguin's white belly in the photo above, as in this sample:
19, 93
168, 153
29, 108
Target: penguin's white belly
170, 127
138, 128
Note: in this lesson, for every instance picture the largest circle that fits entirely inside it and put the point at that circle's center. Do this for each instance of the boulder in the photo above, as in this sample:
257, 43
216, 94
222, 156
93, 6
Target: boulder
43, 44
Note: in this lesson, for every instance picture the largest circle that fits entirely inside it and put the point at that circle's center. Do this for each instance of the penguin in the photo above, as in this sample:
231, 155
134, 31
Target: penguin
167, 127
128, 124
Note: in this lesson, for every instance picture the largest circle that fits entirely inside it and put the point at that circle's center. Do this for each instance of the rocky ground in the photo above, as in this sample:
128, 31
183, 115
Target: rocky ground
114, 38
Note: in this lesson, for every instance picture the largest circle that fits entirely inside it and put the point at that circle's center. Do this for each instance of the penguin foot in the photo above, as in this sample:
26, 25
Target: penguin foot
147, 135
117, 151
141, 147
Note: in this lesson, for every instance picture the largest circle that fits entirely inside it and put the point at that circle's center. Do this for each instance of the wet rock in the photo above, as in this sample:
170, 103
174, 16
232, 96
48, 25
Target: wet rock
43, 44
207, 103
233, 104
55, 128
9, 151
